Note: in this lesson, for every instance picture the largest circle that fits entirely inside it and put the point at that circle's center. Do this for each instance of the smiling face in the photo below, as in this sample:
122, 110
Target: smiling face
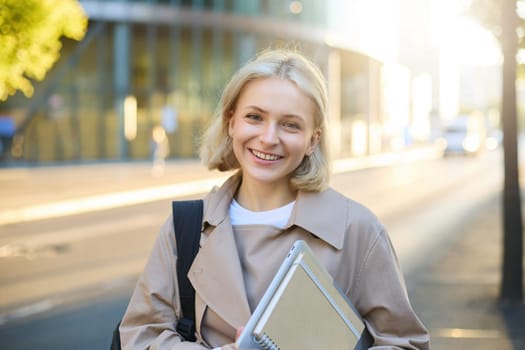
272, 129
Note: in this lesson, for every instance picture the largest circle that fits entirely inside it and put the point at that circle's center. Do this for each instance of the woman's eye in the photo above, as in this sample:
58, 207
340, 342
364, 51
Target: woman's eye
291, 125
253, 116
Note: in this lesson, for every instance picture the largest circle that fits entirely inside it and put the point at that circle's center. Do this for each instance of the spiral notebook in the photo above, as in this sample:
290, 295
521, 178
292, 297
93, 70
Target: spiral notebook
303, 309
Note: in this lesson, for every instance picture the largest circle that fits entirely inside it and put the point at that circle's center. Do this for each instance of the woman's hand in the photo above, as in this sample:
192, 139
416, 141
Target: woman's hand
239, 331
232, 346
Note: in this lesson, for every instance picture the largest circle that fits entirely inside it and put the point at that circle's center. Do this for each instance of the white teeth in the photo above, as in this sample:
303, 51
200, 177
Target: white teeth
265, 156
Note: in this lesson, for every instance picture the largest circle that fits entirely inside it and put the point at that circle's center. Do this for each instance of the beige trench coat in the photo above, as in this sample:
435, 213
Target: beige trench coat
346, 237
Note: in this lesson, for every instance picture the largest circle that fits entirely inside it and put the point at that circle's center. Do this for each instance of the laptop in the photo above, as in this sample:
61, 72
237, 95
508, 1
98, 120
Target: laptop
302, 308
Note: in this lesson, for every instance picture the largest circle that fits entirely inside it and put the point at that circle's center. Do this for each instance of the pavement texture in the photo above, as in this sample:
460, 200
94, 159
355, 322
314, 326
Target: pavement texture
455, 292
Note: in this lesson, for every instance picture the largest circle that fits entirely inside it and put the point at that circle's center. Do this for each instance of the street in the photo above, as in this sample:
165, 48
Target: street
66, 281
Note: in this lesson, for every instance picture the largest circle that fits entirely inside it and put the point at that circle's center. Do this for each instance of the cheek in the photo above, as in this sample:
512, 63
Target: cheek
300, 147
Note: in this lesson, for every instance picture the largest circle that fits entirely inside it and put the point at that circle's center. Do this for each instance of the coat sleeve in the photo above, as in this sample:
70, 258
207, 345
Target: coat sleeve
384, 302
151, 316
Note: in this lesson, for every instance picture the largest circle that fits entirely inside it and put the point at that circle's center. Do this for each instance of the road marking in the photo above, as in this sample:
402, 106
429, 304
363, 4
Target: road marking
466, 333
28, 310
26, 297
43, 243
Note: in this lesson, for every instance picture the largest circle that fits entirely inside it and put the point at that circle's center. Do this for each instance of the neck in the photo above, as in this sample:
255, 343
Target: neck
261, 197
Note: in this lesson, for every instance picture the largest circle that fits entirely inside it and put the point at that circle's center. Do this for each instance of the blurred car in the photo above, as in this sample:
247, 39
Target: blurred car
463, 136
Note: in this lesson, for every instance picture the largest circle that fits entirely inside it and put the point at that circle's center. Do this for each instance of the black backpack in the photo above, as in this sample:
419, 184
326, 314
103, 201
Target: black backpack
187, 222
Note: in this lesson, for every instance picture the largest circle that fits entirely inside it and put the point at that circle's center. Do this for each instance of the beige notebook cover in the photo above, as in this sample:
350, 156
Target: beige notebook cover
303, 309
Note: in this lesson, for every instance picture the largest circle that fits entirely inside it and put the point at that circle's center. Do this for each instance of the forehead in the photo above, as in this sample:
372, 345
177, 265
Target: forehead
276, 95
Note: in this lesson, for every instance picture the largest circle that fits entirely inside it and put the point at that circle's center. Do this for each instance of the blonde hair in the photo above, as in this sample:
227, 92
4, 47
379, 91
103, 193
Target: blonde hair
216, 148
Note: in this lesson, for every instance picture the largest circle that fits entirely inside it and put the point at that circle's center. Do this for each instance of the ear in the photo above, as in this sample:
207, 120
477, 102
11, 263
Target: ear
314, 141
230, 123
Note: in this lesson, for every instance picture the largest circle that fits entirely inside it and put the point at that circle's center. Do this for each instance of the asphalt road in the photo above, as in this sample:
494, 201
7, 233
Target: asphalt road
68, 279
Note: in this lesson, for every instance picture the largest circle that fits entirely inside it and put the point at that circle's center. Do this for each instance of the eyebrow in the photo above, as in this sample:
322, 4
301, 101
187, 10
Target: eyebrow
262, 110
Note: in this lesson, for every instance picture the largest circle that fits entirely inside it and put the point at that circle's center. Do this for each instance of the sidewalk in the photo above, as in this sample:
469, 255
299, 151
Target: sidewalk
51, 191
456, 292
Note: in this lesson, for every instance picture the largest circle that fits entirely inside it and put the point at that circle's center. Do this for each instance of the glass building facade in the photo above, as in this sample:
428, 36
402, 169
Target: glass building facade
152, 64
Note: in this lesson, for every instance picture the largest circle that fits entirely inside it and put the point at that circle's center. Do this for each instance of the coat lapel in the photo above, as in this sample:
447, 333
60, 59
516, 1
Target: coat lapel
217, 277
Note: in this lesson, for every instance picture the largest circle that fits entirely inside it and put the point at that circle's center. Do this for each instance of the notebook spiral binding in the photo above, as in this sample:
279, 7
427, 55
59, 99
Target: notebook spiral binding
266, 342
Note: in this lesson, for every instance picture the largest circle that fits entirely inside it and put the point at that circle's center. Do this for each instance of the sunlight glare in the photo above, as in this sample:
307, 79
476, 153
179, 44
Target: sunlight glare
464, 38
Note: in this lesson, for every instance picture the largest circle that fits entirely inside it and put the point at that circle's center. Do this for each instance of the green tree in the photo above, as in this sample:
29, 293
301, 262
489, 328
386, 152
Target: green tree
30, 34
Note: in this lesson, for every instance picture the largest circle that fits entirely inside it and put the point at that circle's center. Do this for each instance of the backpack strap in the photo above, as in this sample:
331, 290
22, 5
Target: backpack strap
187, 227
115, 340
187, 223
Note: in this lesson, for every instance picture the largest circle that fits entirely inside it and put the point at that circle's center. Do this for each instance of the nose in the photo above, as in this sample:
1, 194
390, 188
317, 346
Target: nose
269, 134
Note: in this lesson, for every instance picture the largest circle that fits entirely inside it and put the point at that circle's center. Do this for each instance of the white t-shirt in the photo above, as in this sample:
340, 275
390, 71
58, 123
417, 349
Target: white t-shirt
278, 217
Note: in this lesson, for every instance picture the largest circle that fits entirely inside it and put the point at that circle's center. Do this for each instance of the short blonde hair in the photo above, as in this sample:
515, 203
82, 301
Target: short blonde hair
216, 148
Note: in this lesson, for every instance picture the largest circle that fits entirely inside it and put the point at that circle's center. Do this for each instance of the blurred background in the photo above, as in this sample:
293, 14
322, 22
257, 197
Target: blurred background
102, 104
398, 72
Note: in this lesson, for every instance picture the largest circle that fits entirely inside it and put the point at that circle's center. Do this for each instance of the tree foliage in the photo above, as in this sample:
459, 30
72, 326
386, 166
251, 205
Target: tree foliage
30, 39
488, 13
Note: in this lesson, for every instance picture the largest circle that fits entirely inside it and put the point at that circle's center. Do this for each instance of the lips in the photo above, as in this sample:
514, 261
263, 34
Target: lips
265, 156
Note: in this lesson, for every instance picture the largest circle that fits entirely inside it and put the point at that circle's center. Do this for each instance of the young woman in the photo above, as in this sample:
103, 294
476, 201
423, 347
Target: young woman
270, 125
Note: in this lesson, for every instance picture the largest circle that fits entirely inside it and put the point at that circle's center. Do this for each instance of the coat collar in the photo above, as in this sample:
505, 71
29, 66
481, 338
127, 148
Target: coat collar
216, 272
324, 214
217, 202
217, 276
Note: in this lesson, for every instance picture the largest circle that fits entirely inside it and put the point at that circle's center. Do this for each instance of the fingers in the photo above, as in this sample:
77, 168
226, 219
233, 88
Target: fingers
239, 331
